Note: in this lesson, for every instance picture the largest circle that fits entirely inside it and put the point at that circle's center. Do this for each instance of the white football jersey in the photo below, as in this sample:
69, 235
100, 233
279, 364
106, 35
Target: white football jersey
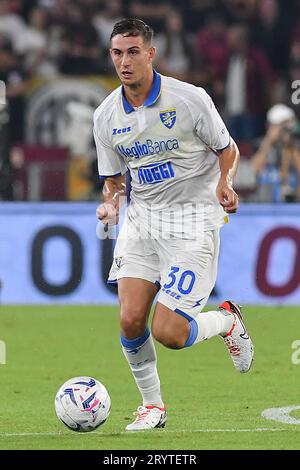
169, 146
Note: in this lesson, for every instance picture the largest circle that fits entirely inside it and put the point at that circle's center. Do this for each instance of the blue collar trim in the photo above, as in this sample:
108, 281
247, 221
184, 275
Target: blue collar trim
152, 98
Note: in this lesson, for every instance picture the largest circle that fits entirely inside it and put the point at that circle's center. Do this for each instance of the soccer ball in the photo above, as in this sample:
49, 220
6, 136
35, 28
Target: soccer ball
82, 404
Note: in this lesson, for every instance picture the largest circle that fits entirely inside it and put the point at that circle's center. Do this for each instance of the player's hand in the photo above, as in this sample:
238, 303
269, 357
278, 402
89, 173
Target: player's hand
108, 213
227, 197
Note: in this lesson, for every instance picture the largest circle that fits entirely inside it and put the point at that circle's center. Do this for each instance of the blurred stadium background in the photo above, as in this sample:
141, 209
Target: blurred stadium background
55, 65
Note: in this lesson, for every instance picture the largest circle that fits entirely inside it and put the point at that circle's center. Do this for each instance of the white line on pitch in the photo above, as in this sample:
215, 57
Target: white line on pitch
25, 434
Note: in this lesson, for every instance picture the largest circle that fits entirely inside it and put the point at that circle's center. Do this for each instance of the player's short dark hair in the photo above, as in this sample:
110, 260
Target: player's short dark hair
133, 27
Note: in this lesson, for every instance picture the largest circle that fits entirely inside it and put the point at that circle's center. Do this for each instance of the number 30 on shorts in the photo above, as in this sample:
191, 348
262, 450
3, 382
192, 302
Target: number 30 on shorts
185, 281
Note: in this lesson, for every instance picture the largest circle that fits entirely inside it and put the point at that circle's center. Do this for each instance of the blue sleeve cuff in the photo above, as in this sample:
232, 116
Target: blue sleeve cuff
224, 148
102, 177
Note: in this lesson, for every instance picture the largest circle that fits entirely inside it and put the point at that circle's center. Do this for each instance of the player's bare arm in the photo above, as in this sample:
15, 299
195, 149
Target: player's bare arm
229, 161
114, 189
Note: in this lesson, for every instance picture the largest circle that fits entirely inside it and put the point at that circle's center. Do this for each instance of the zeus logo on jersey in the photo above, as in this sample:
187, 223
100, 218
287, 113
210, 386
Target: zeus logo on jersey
155, 173
123, 130
150, 147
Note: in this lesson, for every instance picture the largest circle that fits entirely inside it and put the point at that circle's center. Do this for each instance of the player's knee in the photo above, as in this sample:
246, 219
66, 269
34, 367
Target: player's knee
132, 323
168, 337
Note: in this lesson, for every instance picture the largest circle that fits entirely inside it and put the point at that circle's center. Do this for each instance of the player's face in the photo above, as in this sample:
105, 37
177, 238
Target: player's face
132, 58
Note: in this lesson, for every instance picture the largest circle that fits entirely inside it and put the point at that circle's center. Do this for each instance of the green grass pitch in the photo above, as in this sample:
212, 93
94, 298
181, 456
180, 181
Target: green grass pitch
210, 405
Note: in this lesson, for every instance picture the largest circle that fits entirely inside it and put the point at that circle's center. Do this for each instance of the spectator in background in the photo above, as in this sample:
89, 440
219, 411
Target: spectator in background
12, 74
240, 11
277, 160
34, 45
213, 50
293, 17
292, 71
11, 116
271, 33
294, 66
249, 80
104, 19
196, 11
12, 26
6, 172
293, 80
174, 52
153, 12
90, 6
59, 11
212, 45
81, 52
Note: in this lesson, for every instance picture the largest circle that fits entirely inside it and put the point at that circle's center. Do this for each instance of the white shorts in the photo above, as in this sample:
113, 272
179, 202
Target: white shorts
184, 270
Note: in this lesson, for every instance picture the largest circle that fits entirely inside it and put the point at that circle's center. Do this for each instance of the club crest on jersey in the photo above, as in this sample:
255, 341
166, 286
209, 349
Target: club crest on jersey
168, 117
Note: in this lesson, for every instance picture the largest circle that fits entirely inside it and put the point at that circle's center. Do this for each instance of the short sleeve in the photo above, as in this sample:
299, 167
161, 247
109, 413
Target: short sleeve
210, 127
109, 162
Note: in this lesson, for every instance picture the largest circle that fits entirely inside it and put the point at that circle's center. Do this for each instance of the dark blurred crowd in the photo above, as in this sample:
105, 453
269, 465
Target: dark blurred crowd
245, 53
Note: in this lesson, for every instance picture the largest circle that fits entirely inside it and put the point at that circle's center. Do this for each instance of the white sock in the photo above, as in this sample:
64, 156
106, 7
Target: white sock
141, 356
209, 324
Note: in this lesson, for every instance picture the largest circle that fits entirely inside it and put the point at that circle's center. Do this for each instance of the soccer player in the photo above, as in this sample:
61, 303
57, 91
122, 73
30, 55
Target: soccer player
182, 161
